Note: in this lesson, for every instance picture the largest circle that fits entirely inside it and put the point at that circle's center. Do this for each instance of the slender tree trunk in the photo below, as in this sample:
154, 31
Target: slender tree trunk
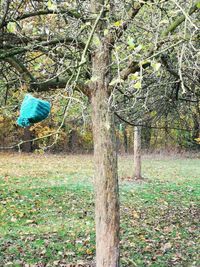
27, 147
73, 140
137, 152
196, 121
125, 140
166, 133
105, 156
146, 136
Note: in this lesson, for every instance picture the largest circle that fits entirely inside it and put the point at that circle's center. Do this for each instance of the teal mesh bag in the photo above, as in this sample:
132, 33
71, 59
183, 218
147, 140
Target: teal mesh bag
33, 110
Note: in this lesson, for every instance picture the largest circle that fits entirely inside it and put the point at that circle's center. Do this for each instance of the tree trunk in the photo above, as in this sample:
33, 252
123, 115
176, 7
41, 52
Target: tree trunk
27, 147
105, 157
125, 140
137, 152
196, 121
166, 133
73, 140
146, 136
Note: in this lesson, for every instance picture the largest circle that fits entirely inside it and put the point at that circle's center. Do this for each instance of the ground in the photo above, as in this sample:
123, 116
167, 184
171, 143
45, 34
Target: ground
47, 211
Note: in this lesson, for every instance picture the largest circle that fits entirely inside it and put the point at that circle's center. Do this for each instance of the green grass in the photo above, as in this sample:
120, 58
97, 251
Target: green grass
47, 211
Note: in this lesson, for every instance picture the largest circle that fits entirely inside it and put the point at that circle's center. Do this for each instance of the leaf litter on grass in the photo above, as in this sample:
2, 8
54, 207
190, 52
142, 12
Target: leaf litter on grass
45, 222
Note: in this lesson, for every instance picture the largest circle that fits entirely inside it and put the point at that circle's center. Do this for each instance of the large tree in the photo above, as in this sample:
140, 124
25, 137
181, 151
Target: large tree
100, 48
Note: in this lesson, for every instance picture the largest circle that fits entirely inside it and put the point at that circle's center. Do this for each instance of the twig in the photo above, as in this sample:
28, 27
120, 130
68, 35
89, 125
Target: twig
83, 59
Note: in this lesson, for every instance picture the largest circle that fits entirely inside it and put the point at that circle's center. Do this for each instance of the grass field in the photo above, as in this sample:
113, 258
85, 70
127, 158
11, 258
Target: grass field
47, 211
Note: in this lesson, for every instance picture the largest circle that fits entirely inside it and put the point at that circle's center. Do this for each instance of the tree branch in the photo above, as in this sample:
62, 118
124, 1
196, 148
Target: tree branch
151, 127
27, 76
134, 66
12, 52
58, 83
172, 27
3, 12
71, 13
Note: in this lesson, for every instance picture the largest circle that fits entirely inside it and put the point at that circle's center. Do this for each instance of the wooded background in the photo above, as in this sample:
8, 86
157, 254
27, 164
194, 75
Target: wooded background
42, 45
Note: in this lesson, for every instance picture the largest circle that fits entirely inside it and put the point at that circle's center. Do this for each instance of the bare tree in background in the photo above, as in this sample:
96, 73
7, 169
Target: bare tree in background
137, 153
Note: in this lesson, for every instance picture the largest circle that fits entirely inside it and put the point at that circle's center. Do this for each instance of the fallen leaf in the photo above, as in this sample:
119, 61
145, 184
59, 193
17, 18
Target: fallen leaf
166, 247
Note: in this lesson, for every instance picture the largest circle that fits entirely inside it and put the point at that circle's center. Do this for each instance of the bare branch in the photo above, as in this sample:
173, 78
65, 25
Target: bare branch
3, 11
70, 13
180, 19
27, 76
9, 53
134, 66
58, 83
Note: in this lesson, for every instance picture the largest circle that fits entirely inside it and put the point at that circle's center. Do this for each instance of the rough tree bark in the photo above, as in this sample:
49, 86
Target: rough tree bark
137, 153
105, 156
27, 147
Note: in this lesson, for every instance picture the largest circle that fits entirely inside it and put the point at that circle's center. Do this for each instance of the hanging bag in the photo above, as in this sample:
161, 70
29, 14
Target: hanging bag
33, 110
